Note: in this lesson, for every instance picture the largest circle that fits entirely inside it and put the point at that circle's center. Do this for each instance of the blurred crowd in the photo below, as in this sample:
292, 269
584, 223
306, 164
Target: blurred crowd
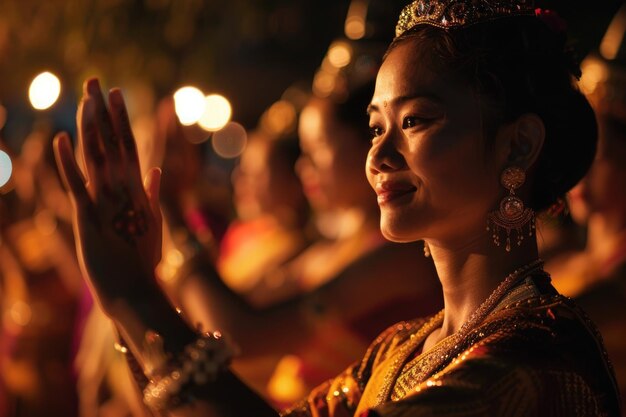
281, 251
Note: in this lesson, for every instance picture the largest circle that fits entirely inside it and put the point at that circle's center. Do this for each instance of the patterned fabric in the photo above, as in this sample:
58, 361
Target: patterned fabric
536, 355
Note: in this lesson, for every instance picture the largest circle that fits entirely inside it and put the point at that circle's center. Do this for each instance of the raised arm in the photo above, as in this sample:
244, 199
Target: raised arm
118, 236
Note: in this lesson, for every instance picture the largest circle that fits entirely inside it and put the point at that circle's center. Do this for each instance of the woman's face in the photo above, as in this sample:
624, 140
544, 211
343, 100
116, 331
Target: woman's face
428, 162
250, 180
603, 190
262, 186
333, 155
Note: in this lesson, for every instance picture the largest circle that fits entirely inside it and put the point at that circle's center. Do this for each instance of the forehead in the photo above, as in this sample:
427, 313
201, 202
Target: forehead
409, 71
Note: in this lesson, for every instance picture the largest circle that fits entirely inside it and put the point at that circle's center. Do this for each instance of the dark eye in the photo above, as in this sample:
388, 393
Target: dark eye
376, 131
410, 121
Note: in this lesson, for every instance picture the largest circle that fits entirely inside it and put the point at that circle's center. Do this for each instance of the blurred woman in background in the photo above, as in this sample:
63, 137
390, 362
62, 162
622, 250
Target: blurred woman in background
596, 276
314, 291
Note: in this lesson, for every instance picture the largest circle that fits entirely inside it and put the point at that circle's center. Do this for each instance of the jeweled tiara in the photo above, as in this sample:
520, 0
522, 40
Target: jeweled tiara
448, 14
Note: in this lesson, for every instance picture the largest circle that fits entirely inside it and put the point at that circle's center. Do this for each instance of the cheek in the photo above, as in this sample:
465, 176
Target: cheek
369, 169
606, 183
323, 161
578, 202
452, 168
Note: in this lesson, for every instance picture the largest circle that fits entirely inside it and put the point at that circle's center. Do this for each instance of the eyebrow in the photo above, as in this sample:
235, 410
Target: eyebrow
405, 98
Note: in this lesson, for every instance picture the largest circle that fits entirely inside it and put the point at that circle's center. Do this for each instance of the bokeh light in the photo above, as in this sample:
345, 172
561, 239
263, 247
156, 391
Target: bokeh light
280, 118
311, 119
324, 83
6, 168
189, 103
594, 74
44, 90
614, 37
20, 313
339, 54
217, 113
355, 26
230, 141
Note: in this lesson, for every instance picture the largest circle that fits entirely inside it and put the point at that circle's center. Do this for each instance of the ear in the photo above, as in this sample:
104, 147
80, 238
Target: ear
521, 141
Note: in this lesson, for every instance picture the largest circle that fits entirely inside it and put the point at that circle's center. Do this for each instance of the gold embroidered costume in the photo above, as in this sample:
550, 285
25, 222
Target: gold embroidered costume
535, 354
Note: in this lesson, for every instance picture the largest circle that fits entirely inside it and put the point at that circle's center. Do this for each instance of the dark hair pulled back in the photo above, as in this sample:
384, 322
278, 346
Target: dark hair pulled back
523, 65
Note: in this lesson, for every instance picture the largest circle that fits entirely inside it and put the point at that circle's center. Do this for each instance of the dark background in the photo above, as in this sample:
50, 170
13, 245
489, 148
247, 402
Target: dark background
250, 51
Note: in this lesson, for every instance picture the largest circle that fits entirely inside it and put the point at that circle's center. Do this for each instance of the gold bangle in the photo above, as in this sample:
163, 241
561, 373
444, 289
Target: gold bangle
199, 363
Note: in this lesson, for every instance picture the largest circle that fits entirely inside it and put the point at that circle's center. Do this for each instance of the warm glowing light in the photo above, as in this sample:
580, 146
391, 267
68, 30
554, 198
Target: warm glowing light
339, 54
594, 72
217, 113
230, 141
20, 313
355, 21
189, 104
6, 168
175, 258
612, 41
44, 90
286, 384
45, 222
169, 266
311, 119
280, 118
324, 83
355, 28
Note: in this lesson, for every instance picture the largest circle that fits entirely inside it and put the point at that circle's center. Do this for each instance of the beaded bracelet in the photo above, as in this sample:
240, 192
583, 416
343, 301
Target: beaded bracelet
199, 363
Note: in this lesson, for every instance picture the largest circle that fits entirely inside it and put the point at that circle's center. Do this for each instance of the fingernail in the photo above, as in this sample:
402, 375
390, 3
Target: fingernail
60, 138
115, 96
93, 86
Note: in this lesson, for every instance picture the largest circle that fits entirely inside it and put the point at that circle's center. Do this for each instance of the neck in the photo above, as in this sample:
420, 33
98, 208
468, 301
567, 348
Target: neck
470, 271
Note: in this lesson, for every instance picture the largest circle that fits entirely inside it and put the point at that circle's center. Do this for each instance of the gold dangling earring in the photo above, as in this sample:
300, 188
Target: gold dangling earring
426, 250
513, 215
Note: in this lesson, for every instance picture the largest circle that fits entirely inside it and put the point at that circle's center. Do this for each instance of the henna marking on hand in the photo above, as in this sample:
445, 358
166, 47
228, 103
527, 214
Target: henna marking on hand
129, 223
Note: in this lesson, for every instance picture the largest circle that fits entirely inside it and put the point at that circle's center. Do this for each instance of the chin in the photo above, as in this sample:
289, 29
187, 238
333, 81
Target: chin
403, 226
395, 234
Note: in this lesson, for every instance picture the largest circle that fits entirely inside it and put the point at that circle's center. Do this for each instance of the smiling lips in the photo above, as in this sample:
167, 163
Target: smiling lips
389, 191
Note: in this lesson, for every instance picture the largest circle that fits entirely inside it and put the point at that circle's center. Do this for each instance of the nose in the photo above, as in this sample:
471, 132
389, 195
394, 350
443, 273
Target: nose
304, 168
385, 154
236, 176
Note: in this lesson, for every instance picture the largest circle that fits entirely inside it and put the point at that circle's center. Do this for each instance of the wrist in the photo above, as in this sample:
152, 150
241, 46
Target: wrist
150, 311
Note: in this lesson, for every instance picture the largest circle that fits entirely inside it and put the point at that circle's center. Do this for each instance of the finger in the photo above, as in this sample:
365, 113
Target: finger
106, 133
95, 162
70, 174
152, 184
335, 398
78, 151
121, 124
317, 401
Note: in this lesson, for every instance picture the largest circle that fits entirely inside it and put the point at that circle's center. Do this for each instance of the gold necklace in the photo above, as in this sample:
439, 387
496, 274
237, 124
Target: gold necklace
451, 346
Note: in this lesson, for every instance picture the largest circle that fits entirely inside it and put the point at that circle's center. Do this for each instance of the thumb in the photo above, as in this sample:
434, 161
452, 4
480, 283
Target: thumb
152, 185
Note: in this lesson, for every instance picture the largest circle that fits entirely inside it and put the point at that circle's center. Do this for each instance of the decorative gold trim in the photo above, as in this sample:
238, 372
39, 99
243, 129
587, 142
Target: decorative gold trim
448, 14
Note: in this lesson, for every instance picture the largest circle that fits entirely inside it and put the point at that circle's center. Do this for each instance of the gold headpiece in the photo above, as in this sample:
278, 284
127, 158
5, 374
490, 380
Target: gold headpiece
447, 14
